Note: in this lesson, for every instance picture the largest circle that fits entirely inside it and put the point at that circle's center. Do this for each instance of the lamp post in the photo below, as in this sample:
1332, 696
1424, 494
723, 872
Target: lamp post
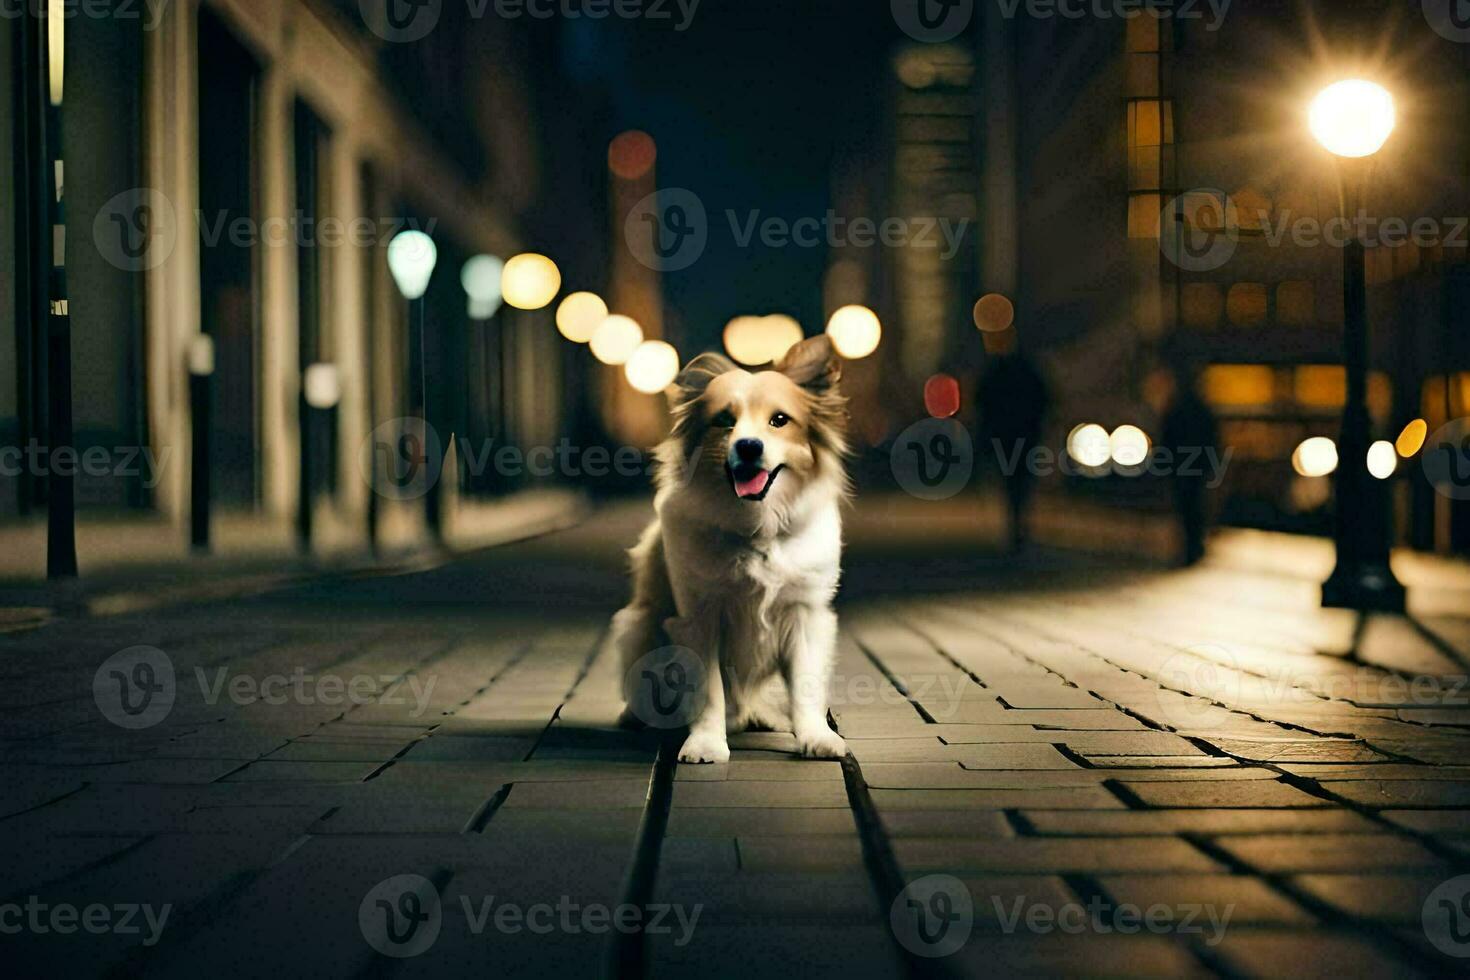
412, 256
481, 279
201, 375
42, 56
1352, 120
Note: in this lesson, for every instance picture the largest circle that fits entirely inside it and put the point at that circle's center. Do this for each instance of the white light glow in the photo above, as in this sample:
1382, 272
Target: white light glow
579, 316
1352, 118
855, 331
652, 367
322, 385
1382, 459
1316, 456
530, 281
481, 280
757, 340
412, 256
1129, 445
615, 339
1090, 445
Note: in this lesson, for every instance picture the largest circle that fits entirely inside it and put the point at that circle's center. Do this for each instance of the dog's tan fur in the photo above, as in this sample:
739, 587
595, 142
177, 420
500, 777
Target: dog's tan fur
747, 584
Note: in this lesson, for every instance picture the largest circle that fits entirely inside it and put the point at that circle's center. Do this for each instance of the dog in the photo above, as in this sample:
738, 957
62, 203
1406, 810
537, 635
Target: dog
741, 564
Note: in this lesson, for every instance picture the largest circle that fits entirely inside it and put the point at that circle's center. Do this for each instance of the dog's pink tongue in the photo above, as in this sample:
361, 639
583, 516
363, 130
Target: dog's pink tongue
753, 486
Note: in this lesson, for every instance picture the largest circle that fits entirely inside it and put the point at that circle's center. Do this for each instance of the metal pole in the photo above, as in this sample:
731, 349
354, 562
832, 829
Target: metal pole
432, 517
61, 542
199, 410
1362, 578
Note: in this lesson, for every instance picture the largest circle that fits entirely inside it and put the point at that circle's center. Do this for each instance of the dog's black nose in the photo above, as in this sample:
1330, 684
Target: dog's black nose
749, 450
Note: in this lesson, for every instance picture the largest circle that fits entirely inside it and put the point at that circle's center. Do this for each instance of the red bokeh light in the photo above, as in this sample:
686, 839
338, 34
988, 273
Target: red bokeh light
632, 154
942, 396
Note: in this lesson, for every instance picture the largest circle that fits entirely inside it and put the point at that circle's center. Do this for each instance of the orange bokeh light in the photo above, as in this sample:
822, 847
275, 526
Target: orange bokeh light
631, 155
942, 396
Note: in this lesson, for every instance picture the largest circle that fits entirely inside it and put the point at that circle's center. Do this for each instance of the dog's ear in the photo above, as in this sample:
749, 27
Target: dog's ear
696, 376
813, 364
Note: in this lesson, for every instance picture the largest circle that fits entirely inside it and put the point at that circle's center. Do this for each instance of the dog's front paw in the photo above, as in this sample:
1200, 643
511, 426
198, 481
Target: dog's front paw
823, 743
703, 747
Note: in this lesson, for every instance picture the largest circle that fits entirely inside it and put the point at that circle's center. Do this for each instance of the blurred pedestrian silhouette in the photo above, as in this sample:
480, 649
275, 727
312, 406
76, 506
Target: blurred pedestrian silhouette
1013, 400
1190, 431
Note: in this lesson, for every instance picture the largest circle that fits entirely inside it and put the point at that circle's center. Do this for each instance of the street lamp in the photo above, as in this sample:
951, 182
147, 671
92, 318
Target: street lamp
1353, 119
412, 256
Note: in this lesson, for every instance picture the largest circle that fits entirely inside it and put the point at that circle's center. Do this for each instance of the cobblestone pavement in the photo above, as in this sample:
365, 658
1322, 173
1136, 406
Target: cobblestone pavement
1059, 767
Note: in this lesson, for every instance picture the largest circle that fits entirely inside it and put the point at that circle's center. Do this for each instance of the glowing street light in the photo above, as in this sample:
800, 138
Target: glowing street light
412, 256
530, 281
1316, 456
855, 331
1129, 446
1382, 460
652, 366
481, 280
579, 316
1353, 119
615, 339
1090, 445
757, 340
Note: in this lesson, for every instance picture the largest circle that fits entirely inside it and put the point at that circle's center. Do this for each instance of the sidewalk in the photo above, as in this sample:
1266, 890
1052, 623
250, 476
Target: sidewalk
1059, 766
135, 562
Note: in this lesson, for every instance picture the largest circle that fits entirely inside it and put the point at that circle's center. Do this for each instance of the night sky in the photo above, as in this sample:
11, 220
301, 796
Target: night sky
747, 106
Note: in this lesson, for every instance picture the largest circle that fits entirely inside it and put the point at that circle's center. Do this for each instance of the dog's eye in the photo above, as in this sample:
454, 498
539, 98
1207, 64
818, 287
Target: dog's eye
723, 420
779, 420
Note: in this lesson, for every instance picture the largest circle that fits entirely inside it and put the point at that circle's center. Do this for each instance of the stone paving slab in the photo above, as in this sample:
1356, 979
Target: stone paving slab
1060, 746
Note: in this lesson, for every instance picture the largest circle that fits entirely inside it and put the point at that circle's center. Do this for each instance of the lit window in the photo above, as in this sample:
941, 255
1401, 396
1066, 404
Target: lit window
1238, 385
1246, 304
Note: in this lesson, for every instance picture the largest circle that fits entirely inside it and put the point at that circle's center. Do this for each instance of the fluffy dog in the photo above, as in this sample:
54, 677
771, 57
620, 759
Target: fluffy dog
741, 563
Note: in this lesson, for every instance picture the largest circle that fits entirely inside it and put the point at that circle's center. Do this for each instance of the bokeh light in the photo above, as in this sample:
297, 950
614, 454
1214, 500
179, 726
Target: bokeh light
855, 331
1382, 459
530, 281
615, 339
652, 367
994, 313
1090, 445
579, 316
411, 259
757, 340
941, 396
1352, 118
1129, 445
632, 154
1411, 440
1316, 456
481, 278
